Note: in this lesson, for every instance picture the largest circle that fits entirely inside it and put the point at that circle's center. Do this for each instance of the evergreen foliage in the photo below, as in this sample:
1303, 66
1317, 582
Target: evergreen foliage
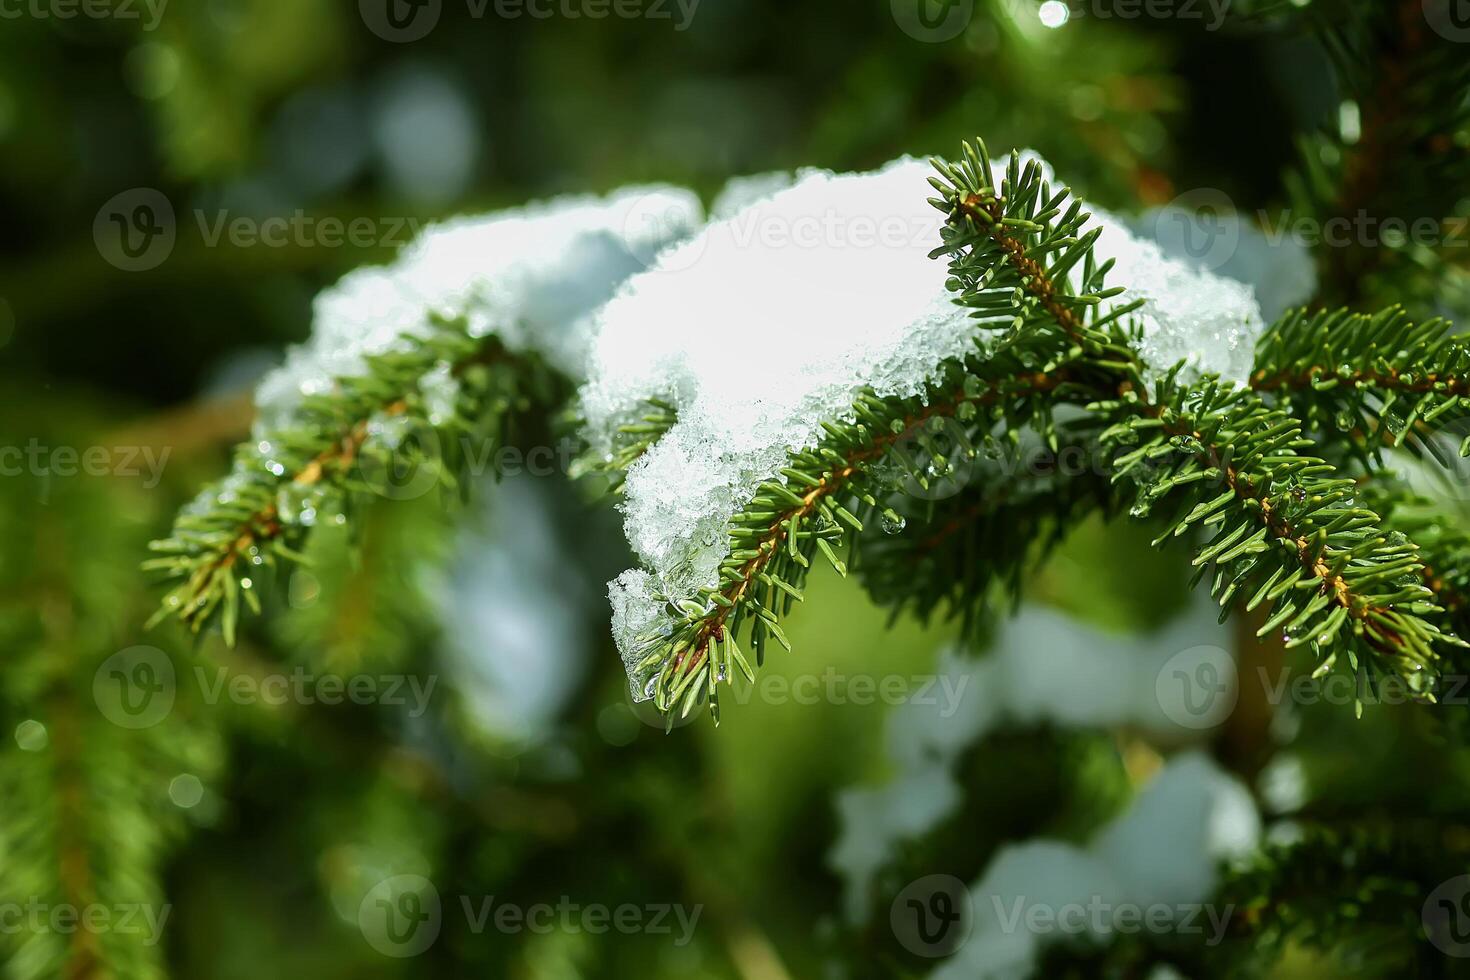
379, 434
1322, 504
1285, 530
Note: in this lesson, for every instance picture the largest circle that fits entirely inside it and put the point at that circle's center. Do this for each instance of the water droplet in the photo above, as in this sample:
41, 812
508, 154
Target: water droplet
893, 522
723, 673
296, 504
1187, 444
31, 736
648, 688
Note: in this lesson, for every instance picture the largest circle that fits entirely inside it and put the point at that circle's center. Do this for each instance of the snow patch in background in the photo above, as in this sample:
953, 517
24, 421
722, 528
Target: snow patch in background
1044, 668
1164, 850
1280, 271
427, 136
516, 633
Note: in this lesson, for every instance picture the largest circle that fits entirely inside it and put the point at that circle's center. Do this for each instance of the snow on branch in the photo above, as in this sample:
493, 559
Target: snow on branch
758, 331
532, 276
417, 346
773, 325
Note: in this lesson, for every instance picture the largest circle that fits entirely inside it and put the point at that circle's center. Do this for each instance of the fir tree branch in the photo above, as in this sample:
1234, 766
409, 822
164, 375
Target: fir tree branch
1339, 370
1368, 382
774, 539
1017, 240
1028, 371
87, 819
1002, 523
1332, 548
1284, 524
1355, 884
635, 439
1290, 529
1400, 162
338, 449
1444, 545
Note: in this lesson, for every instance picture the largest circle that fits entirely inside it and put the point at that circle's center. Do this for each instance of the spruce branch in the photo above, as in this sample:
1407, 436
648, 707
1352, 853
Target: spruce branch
1381, 373
340, 449
787, 523
1368, 382
450, 309
1444, 545
632, 440
1001, 524
87, 822
1020, 288
1286, 529
1290, 531
1400, 162
1008, 246
1362, 885
1208, 435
